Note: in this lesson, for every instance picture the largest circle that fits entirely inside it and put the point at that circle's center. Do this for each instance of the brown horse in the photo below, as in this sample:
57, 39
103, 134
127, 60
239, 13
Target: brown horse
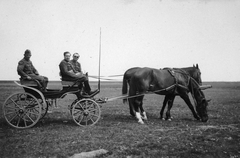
194, 72
166, 82
126, 79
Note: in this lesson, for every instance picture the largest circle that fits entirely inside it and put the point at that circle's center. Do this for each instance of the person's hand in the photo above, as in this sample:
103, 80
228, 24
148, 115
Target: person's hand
78, 74
29, 78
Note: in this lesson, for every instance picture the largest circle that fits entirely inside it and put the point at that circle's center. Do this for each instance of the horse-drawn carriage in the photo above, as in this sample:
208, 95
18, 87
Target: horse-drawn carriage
24, 109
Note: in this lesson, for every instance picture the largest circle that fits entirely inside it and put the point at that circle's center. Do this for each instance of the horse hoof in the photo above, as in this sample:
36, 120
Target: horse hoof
141, 122
162, 118
169, 119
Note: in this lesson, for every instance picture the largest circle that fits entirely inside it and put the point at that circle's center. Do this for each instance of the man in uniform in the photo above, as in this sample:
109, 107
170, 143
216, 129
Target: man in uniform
76, 65
68, 73
28, 72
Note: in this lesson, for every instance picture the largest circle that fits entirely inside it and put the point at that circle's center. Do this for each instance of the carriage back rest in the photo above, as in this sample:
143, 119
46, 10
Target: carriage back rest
30, 83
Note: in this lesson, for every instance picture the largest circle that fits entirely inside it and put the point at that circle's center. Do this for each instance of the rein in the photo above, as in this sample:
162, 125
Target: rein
106, 77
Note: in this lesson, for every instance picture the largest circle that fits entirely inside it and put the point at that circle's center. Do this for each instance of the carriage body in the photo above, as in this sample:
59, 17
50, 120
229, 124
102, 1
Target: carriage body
24, 109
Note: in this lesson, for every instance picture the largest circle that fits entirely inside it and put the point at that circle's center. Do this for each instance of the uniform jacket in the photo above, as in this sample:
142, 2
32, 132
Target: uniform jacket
76, 65
67, 71
26, 67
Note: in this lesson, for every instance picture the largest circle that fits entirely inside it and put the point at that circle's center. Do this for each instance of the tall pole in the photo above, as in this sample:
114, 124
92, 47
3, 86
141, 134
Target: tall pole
99, 62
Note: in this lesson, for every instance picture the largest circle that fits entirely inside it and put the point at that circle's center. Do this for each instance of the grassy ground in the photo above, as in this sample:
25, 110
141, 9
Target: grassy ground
58, 136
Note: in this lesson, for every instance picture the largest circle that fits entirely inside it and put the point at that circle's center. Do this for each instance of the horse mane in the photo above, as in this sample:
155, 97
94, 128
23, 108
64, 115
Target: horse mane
196, 88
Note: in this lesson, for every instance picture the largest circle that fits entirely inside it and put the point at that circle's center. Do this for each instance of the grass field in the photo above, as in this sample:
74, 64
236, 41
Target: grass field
58, 136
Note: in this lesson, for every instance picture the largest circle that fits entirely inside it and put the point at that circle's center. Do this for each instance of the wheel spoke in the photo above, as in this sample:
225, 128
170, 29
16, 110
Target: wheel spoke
10, 109
92, 120
34, 109
33, 113
93, 115
81, 106
32, 101
15, 103
92, 110
13, 117
29, 117
18, 121
77, 111
86, 121
79, 122
25, 123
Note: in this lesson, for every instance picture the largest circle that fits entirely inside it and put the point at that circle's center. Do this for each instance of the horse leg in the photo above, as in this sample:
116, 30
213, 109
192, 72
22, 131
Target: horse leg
124, 91
170, 104
143, 113
137, 105
131, 109
185, 97
163, 107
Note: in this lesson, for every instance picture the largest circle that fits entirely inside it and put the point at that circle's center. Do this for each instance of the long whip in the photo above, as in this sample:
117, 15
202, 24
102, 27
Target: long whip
99, 62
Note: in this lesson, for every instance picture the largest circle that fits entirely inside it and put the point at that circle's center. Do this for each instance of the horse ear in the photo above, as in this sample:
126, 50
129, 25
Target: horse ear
197, 66
209, 100
206, 100
193, 65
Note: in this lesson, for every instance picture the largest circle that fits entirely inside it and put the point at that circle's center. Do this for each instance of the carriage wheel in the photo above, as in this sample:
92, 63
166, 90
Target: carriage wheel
86, 112
22, 110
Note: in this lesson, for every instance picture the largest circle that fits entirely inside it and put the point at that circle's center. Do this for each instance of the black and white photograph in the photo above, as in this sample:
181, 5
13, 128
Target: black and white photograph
120, 79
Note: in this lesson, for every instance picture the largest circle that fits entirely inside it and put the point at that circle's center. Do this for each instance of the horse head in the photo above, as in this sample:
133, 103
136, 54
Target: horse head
201, 109
202, 103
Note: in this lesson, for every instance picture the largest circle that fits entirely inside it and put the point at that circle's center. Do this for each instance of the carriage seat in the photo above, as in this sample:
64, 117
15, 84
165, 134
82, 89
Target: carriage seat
30, 83
68, 84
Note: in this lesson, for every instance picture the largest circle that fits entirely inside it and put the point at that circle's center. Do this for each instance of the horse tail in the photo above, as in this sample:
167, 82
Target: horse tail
124, 88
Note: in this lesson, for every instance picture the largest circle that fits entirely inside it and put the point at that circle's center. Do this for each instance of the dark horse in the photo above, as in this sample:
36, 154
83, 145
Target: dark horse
194, 72
166, 82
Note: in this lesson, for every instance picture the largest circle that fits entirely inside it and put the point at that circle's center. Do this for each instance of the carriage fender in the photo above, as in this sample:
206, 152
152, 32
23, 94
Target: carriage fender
34, 89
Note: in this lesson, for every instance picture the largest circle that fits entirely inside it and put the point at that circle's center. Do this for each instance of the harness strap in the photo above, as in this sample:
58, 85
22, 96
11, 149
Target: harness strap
172, 73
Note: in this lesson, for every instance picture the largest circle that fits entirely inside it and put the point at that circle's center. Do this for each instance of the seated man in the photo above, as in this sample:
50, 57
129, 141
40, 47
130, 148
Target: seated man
28, 72
76, 65
68, 73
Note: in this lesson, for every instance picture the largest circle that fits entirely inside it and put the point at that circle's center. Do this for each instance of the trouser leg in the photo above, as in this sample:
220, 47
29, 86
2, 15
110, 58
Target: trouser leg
42, 79
85, 81
45, 82
87, 87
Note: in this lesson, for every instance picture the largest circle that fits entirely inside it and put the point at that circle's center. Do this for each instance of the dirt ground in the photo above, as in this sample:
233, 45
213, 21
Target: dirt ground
58, 136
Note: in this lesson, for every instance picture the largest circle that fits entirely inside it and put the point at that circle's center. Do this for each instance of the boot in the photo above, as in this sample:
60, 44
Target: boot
87, 88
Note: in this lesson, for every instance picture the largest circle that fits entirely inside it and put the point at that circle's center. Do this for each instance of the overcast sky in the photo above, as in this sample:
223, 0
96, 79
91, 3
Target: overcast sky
144, 33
